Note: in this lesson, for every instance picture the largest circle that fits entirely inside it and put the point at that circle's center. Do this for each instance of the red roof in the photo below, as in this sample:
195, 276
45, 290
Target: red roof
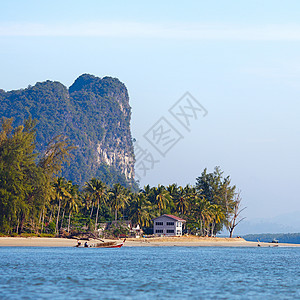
172, 217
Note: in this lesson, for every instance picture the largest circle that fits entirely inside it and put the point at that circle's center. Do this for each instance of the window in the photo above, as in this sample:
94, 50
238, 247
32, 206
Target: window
159, 231
170, 231
170, 223
178, 224
159, 223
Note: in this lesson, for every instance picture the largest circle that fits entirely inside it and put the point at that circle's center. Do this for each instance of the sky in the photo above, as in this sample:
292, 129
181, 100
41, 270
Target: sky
238, 60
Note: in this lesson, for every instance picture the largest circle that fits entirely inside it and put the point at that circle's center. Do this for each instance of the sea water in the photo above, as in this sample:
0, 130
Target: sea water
149, 273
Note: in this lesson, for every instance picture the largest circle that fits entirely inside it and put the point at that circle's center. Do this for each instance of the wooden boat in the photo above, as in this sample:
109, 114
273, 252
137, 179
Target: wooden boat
109, 245
101, 245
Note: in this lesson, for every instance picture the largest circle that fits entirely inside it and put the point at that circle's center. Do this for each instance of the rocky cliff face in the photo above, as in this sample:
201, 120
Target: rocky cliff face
110, 96
94, 113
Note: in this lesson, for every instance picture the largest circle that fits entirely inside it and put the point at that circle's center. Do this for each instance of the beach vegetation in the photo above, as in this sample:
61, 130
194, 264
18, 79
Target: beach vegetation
36, 200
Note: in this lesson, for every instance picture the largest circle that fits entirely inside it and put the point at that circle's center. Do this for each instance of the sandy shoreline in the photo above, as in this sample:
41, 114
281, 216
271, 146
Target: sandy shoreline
149, 242
200, 242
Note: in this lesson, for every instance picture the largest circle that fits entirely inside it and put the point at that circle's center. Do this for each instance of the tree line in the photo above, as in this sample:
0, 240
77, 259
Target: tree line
35, 199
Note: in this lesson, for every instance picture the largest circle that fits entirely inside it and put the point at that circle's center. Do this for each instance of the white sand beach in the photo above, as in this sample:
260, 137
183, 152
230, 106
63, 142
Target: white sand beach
185, 241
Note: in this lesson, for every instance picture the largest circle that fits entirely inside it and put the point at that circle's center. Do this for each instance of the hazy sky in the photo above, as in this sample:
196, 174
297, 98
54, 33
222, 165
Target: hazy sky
240, 60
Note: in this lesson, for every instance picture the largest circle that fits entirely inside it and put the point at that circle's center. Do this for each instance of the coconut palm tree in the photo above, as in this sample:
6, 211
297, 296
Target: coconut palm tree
173, 190
98, 192
61, 193
119, 198
140, 210
148, 192
182, 200
200, 213
48, 197
162, 197
72, 202
217, 215
206, 215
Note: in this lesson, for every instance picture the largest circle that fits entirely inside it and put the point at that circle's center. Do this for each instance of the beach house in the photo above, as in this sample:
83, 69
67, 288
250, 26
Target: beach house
168, 225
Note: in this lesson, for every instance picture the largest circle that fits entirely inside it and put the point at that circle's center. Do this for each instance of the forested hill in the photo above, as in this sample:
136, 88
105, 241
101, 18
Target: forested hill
293, 238
94, 113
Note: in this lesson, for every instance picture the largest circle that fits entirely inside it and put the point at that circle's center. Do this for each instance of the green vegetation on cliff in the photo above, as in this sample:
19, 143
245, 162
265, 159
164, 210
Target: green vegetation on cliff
93, 113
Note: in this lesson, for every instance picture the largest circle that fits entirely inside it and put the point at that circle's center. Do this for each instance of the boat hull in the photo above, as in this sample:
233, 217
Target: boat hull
103, 245
113, 246
109, 245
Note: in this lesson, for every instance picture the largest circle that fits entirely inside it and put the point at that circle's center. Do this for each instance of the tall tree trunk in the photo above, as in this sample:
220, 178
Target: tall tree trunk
116, 215
201, 227
43, 220
22, 223
33, 226
62, 220
18, 223
50, 218
36, 228
92, 210
56, 227
206, 229
212, 228
96, 221
69, 221
40, 218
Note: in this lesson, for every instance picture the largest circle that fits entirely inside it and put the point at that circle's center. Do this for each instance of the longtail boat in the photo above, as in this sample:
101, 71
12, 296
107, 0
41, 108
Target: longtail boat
101, 245
109, 245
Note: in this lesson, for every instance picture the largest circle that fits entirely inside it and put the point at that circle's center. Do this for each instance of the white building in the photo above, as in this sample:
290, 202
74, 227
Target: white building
168, 225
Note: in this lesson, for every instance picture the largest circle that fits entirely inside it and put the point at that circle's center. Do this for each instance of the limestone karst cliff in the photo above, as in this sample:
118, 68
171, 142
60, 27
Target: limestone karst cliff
94, 113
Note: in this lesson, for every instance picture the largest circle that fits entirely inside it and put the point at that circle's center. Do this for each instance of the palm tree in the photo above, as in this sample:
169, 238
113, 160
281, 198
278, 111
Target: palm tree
119, 198
72, 202
98, 191
183, 196
140, 209
206, 215
61, 193
48, 196
162, 197
200, 213
148, 192
217, 216
173, 190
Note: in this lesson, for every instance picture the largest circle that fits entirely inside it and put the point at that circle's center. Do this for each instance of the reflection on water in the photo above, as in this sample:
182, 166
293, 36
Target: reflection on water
149, 272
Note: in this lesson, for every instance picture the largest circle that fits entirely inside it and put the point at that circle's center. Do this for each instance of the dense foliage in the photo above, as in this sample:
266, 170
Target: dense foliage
92, 111
25, 182
34, 199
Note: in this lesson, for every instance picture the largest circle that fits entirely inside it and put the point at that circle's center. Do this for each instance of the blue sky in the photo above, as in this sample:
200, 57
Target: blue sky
239, 59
